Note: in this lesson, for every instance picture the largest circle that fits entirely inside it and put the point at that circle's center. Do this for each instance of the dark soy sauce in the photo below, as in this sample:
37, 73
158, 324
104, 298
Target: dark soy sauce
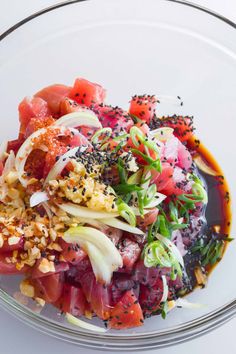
217, 213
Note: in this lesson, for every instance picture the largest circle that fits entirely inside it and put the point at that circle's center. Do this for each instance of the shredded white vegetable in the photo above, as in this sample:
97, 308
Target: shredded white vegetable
37, 198
82, 324
84, 212
118, 224
165, 289
103, 254
82, 117
62, 162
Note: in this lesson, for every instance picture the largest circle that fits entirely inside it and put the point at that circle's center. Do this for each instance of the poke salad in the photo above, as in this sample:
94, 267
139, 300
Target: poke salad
105, 211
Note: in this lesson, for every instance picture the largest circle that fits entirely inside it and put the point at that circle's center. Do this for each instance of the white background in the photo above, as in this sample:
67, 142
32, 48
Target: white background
15, 337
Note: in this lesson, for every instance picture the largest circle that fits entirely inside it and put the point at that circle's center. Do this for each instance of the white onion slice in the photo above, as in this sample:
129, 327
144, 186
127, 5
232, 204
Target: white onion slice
82, 117
103, 254
172, 248
62, 162
3, 150
188, 305
84, 212
47, 209
201, 164
82, 324
162, 134
118, 224
165, 289
101, 268
9, 164
26, 148
37, 198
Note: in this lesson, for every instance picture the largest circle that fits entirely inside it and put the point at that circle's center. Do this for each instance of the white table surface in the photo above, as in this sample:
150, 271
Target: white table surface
15, 337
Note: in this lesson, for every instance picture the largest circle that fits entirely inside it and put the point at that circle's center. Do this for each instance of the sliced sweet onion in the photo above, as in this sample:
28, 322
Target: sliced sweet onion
76, 119
162, 134
118, 224
37, 198
172, 248
102, 269
26, 148
201, 164
9, 164
62, 162
84, 212
82, 324
165, 289
103, 254
48, 210
3, 150
188, 305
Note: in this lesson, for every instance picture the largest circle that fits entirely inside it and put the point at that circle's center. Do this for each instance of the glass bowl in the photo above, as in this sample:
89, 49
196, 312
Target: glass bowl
132, 46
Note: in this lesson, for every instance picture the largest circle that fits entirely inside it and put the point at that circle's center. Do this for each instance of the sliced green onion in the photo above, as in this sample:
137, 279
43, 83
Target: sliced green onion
126, 212
163, 226
106, 132
172, 248
155, 255
126, 188
155, 164
121, 137
200, 191
150, 194
122, 172
173, 212
137, 136
135, 178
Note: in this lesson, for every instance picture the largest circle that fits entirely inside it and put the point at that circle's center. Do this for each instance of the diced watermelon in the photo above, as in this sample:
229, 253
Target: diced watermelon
30, 108
170, 153
114, 117
127, 313
183, 126
148, 218
72, 300
130, 252
143, 107
87, 93
163, 180
53, 95
68, 105
184, 157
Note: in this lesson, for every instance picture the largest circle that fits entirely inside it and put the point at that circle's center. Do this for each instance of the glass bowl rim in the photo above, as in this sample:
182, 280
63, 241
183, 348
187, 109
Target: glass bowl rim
152, 340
